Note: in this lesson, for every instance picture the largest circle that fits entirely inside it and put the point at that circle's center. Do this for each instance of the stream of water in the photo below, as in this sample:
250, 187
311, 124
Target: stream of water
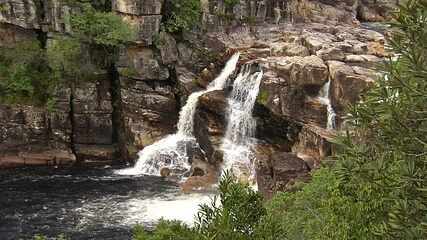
324, 97
87, 203
240, 133
171, 152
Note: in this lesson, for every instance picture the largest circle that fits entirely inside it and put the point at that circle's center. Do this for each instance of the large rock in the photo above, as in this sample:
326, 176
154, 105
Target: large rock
92, 111
210, 124
25, 137
141, 64
301, 71
278, 171
313, 144
149, 112
346, 84
11, 34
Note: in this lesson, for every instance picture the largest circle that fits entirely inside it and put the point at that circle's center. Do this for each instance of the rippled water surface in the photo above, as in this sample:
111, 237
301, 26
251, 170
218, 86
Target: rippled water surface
87, 204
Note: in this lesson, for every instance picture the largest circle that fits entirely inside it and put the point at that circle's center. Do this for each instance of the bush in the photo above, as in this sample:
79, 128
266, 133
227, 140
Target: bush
24, 74
182, 15
101, 28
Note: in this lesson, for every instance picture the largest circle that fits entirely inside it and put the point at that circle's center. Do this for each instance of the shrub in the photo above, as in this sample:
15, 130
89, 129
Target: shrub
24, 74
182, 15
100, 28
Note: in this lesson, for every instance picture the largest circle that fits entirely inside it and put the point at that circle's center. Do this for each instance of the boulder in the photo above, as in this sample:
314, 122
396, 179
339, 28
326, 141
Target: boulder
313, 144
278, 171
308, 71
346, 85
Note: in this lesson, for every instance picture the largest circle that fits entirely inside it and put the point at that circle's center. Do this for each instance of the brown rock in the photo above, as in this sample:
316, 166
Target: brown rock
346, 85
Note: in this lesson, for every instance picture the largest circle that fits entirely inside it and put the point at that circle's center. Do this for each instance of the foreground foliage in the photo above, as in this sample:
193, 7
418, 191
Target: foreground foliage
377, 188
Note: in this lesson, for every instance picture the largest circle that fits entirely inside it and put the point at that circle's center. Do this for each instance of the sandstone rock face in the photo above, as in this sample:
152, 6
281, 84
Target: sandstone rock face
25, 139
347, 84
278, 171
143, 15
157, 72
149, 112
11, 34
22, 13
92, 121
141, 64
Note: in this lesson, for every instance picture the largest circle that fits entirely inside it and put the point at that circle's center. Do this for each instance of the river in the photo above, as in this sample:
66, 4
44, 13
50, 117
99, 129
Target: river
87, 203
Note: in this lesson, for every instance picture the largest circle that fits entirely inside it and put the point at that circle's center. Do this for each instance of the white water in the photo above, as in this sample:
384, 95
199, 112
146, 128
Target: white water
324, 97
183, 207
171, 151
238, 140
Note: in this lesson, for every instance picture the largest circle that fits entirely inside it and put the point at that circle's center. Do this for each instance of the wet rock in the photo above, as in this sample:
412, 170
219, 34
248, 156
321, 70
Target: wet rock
96, 154
214, 101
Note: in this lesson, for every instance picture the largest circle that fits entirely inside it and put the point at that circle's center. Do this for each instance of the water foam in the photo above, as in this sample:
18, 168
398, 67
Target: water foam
172, 151
240, 133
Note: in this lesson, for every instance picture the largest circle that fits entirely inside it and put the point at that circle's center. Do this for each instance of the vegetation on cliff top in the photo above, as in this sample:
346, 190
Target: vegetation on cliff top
29, 73
377, 188
181, 15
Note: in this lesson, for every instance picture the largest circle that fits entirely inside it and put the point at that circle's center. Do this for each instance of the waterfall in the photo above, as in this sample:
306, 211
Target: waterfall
172, 151
324, 97
238, 140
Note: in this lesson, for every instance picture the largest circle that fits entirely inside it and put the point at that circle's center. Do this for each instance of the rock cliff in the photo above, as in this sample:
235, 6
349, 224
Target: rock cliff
108, 119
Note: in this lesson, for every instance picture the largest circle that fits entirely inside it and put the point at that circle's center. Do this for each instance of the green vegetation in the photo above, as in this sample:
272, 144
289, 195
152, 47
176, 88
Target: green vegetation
263, 97
183, 15
29, 74
100, 28
24, 74
231, 3
377, 187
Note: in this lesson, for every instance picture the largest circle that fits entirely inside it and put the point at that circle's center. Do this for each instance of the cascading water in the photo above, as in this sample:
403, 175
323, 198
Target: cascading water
238, 140
324, 98
172, 151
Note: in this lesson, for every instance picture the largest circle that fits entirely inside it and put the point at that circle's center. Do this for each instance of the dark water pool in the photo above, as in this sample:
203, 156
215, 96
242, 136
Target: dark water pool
84, 204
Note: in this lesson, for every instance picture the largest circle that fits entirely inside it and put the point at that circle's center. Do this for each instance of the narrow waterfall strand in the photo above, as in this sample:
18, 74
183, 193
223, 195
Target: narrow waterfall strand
172, 151
324, 97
